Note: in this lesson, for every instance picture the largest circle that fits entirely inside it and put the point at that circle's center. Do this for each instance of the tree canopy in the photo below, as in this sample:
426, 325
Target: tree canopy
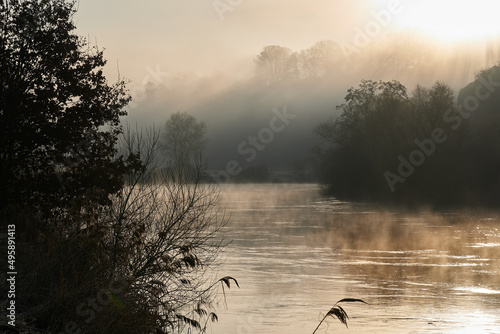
59, 116
393, 146
183, 138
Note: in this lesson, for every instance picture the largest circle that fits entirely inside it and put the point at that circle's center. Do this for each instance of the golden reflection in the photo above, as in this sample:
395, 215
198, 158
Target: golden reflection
474, 323
417, 269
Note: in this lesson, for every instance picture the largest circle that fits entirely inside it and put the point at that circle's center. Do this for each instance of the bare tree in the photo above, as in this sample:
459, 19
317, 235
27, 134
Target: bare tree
273, 63
166, 236
321, 59
183, 139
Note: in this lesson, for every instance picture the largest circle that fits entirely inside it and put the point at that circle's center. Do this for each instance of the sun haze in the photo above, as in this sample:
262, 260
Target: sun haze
453, 21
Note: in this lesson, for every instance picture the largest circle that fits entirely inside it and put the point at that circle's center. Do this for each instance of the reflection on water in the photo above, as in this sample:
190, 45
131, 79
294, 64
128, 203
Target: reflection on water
296, 253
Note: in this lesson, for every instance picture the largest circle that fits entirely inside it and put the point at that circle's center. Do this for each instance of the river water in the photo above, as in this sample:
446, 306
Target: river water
295, 253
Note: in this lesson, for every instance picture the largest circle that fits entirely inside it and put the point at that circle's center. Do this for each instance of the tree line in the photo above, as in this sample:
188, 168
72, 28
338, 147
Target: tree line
423, 147
403, 53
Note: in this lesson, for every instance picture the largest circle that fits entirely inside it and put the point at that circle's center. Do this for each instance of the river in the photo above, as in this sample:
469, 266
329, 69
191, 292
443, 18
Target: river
295, 253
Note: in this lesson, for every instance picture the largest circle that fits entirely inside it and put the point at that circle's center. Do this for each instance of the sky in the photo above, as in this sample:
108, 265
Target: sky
204, 36
191, 35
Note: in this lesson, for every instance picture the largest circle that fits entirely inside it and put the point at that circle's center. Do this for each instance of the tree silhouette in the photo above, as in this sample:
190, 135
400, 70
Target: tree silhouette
183, 139
437, 151
273, 63
59, 117
323, 58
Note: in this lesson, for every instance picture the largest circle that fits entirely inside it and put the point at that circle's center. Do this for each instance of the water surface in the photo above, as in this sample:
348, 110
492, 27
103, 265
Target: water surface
296, 253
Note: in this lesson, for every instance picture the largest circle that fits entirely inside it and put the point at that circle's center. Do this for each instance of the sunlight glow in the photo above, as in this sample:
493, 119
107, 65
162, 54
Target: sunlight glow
478, 290
453, 21
476, 323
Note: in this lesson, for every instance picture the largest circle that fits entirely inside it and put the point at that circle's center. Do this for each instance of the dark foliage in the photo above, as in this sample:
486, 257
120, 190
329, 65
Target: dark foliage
59, 117
418, 148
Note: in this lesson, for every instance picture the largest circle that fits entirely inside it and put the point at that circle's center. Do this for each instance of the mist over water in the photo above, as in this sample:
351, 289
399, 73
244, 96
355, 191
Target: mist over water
295, 253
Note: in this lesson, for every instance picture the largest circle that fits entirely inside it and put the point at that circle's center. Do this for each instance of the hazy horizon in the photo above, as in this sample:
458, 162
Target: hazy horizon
190, 36
200, 58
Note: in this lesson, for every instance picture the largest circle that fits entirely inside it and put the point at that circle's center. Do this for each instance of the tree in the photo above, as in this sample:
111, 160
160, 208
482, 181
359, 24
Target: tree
368, 133
480, 125
273, 64
183, 139
403, 52
382, 129
59, 123
59, 117
321, 59
429, 107
162, 234
379, 123
373, 102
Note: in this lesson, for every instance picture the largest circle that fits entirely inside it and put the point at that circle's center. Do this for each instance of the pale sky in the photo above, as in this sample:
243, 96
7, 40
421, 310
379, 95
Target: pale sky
189, 35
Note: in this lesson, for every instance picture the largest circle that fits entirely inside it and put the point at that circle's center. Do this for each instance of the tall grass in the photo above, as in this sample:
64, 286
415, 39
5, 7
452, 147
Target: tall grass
338, 312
